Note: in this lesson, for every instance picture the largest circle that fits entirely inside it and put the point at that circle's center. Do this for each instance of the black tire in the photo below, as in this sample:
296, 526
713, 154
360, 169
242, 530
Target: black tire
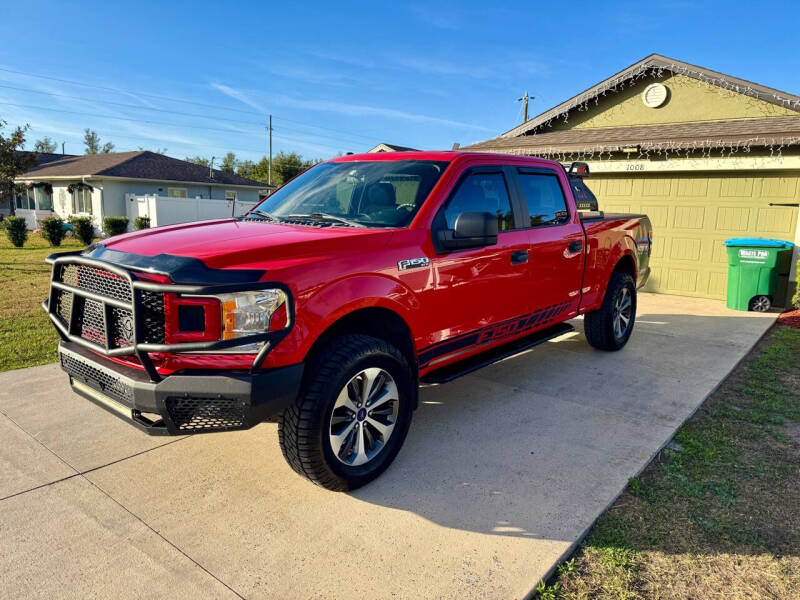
760, 304
599, 324
304, 428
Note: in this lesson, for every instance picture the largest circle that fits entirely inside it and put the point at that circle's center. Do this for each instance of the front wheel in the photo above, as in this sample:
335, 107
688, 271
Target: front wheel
352, 416
610, 326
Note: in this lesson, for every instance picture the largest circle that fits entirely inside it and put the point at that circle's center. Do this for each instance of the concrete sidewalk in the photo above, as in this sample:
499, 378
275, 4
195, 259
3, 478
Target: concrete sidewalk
502, 473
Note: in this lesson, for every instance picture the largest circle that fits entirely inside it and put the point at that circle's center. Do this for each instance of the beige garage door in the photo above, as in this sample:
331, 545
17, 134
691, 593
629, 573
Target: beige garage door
693, 214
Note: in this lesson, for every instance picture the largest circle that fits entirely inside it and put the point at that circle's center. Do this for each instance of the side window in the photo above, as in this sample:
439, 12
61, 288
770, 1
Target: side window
545, 199
482, 192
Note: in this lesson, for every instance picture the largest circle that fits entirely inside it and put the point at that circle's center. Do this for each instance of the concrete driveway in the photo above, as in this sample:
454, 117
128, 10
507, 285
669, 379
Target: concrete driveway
503, 471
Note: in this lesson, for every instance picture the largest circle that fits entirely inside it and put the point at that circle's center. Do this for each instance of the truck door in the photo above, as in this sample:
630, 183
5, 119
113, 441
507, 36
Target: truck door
476, 289
557, 241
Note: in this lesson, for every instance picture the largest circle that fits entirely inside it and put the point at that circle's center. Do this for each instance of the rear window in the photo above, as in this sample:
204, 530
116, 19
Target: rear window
545, 199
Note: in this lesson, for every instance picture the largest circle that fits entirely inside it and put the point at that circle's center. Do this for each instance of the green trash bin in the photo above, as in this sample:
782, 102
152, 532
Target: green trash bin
756, 267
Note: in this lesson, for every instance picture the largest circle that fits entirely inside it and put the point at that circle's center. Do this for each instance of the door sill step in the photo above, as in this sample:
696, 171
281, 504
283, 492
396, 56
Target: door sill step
473, 363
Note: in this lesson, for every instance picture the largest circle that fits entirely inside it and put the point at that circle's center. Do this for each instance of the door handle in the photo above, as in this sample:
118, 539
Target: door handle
519, 257
575, 247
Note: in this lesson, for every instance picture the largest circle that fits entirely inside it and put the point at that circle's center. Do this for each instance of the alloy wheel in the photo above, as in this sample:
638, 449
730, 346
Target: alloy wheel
623, 313
363, 417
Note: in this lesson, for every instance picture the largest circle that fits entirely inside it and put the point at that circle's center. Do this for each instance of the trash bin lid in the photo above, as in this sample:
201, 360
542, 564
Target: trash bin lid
761, 242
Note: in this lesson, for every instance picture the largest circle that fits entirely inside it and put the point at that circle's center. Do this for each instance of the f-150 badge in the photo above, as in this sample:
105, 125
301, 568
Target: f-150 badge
413, 263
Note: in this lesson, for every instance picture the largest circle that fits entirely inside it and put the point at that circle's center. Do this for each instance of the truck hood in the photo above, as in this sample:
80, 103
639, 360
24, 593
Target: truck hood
248, 244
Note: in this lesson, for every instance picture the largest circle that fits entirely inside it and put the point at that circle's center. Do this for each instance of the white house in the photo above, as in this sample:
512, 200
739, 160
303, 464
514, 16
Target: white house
132, 184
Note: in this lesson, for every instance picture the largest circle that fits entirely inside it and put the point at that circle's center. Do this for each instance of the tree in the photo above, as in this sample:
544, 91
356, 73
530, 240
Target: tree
45, 145
92, 142
157, 150
12, 162
199, 160
260, 171
245, 168
287, 165
228, 164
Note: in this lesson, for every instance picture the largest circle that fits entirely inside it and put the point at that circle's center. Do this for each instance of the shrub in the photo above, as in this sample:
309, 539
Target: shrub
83, 229
53, 230
796, 299
142, 223
115, 225
16, 230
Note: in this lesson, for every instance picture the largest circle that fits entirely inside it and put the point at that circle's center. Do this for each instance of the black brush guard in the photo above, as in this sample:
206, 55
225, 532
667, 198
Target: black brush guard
181, 403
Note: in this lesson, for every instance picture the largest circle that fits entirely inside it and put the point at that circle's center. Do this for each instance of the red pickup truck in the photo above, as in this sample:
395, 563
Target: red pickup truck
328, 304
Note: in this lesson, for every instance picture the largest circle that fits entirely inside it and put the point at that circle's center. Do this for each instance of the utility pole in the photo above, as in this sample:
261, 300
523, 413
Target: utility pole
269, 174
524, 100
62, 148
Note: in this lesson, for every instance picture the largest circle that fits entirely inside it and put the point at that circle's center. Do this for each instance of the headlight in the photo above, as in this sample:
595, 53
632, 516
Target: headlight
249, 313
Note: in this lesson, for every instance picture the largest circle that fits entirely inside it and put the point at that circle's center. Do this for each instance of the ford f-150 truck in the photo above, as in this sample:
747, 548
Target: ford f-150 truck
330, 302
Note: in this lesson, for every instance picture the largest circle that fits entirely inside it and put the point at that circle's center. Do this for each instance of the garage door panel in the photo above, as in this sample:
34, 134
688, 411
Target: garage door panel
689, 217
693, 215
736, 187
656, 186
720, 254
659, 214
776, 220
735, 219
717, 284
682, 281
685, 249
779, 188
693, 187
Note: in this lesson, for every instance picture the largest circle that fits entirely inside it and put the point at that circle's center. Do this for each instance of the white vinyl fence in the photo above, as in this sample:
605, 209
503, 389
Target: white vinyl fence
164, 210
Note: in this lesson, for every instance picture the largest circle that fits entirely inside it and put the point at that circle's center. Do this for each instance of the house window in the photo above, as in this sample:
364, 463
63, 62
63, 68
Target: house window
177, 192
229, 195
35, 199
82, 200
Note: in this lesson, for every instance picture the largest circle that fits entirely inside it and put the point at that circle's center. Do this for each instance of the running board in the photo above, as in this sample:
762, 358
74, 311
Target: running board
494, 355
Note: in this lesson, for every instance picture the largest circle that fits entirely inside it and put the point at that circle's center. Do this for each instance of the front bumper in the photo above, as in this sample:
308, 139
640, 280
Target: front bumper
182, 403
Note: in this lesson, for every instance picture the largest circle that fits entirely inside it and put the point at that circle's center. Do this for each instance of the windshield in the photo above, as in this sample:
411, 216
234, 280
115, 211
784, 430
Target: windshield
360, 194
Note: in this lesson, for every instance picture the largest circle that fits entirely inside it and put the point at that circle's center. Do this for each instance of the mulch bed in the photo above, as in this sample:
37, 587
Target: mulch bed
790, 318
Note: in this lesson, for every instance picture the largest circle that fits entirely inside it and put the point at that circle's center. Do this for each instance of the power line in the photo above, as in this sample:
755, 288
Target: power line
182, 113
177, 125
119, 91
166, 98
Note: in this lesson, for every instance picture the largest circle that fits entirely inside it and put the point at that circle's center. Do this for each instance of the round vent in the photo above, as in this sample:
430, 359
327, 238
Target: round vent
654, 95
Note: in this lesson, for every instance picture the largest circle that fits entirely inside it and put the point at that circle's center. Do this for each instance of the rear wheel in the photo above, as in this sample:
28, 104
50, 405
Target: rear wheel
610, 326
352, 416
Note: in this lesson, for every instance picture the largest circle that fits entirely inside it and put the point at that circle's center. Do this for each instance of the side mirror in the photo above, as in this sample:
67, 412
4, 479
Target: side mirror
472, 230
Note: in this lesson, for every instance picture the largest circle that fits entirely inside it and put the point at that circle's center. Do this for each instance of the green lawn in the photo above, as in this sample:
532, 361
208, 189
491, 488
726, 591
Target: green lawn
718, 515
26, 336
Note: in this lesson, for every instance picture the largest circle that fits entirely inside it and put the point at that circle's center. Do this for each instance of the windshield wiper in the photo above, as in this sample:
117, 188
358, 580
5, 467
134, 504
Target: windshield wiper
265, 214
318, 216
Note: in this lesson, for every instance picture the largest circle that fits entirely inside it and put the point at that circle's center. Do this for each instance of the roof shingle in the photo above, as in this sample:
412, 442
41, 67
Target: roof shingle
136, 165
753, 132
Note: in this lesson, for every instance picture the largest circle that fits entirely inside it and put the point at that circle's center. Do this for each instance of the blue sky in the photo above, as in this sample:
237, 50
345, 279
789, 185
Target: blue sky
200, 78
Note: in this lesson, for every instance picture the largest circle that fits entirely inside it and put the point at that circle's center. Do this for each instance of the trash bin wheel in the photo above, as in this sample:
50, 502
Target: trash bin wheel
760, 304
